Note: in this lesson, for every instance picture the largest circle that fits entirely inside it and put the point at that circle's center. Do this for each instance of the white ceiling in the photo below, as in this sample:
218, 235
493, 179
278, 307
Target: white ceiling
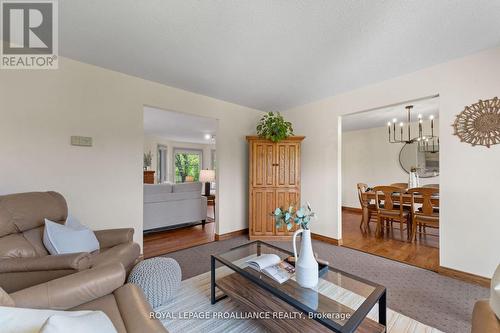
379, 117
177, 126
273, 55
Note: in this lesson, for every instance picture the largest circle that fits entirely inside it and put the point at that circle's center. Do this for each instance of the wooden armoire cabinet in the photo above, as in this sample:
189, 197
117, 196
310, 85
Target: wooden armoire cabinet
274, 181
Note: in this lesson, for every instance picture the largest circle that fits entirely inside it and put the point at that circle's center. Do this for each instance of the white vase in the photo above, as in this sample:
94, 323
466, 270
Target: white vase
306, 266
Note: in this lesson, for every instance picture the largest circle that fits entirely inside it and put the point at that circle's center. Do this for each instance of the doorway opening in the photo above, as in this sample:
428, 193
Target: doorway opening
390, 166
180, 183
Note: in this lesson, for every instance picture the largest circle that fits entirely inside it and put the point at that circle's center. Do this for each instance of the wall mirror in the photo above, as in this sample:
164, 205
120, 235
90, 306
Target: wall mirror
426, 162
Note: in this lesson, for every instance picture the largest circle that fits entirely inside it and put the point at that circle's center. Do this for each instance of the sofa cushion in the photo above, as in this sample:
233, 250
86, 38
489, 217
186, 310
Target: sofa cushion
35, 238
153, 189
71, 238
171, 197
187, 187
16, 246
23, 211
126, 254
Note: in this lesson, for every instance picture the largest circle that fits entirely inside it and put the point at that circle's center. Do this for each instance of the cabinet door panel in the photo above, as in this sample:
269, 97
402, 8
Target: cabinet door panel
262, 164
262, 204
285, 198
287, 171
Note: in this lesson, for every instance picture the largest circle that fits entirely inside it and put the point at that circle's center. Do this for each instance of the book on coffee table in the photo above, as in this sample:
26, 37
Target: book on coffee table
271, 265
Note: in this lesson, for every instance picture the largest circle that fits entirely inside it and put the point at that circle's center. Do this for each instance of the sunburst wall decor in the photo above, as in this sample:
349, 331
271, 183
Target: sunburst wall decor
479, 123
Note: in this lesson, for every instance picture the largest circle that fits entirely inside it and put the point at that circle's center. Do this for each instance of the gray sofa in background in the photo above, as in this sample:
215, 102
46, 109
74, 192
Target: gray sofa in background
169, 205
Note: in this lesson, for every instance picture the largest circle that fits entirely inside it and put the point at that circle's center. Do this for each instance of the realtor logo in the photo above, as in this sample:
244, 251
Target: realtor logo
29, 34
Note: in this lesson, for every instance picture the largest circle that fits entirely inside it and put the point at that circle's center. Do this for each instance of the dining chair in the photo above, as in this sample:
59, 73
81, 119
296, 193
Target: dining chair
365, 204
428, 214
432, 185
390, 211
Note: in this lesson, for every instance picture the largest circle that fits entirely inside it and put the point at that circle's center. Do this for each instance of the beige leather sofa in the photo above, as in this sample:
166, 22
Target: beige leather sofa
25, 262
99, 288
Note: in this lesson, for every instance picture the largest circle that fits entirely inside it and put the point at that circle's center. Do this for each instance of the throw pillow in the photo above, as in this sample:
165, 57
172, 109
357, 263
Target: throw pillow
70, 238
17, 320
95, 321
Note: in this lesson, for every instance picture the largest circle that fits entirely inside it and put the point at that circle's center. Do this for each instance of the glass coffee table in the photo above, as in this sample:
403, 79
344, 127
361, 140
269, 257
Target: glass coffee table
340, 302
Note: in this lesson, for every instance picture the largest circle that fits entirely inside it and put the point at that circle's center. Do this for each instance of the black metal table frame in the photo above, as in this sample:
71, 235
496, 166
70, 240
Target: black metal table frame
379, 295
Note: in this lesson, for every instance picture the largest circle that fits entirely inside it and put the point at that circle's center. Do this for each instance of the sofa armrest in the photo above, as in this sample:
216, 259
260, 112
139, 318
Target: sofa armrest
76, 261
136, 311
112, 237
72, 290
484, 319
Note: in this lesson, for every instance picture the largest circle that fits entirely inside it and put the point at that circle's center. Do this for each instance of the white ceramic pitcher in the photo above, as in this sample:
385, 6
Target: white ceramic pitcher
306, 266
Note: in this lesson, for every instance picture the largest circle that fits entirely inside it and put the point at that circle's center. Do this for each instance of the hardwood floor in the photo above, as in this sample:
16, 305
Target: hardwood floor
423, 253
163, 242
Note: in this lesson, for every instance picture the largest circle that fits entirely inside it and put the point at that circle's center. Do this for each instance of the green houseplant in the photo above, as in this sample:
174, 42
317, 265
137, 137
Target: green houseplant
273, 126
301, 216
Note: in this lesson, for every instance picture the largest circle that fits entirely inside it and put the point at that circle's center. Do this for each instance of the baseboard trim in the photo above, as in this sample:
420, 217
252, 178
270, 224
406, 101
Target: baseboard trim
231, 234
467, 277
326, 239
352, 209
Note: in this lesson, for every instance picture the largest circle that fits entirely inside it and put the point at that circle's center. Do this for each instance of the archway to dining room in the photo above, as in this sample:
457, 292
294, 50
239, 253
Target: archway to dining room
390, 182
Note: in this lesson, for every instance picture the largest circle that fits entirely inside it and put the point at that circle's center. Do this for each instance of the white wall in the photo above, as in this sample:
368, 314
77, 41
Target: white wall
151, 144
41, 109
469, 180
368, 157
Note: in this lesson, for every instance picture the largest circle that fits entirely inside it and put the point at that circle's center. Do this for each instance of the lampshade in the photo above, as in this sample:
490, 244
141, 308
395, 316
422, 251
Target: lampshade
207, 176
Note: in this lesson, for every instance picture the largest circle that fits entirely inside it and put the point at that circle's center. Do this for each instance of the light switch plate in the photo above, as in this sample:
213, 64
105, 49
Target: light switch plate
82, 141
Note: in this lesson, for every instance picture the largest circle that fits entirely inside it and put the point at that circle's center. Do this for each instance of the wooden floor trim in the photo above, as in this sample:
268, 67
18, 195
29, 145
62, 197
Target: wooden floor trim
352, 209
231, 234
326, 239
467, 277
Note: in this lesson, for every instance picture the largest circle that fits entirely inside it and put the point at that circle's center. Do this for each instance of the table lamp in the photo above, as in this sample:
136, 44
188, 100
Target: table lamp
207, 176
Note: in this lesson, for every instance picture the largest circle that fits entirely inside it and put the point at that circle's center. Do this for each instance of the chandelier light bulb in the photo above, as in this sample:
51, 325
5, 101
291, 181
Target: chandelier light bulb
401, 124
389, 124
420, 116
431, 117
208, 136
394, 120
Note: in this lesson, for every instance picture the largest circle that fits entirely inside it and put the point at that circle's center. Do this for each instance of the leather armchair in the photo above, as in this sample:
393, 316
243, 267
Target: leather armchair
486, 313
484, 319
99, 288
25, 262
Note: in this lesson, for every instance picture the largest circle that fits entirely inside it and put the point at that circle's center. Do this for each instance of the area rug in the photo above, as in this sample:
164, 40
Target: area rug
191, 311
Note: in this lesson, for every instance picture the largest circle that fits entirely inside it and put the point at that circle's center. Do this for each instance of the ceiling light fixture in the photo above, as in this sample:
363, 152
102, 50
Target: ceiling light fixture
426, 143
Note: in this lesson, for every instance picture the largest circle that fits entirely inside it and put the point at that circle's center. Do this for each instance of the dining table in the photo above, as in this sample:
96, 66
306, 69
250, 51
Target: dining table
370, 195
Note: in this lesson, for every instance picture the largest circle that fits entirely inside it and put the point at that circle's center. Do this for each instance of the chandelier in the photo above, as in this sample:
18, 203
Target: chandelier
426, 142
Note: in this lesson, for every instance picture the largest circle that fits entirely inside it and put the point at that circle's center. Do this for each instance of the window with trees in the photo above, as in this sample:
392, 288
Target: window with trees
187, 164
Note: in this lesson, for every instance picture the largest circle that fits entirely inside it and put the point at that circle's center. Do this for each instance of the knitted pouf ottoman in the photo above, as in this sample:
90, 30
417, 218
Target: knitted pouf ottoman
158, 277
